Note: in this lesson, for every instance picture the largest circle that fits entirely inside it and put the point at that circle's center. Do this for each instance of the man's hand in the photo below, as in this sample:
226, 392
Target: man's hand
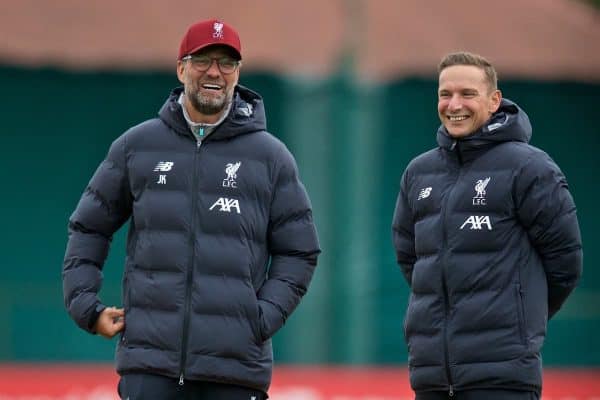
110, 322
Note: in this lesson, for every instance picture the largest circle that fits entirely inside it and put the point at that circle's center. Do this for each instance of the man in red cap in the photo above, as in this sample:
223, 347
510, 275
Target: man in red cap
209, 90
221, 244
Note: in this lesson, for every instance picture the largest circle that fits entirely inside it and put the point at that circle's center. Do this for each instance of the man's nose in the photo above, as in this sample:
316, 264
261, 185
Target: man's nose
455, 103
213, 69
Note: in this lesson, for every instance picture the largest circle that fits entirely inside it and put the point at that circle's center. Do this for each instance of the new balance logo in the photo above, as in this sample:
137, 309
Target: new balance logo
163, 166
477, 222
424, 193
226, 205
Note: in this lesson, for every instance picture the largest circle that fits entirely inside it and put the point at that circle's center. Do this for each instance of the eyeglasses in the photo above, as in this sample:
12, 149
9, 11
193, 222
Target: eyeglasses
202, 63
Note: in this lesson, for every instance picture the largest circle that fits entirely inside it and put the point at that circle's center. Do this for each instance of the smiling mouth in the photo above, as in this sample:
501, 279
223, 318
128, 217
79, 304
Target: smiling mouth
210, 86
457, 118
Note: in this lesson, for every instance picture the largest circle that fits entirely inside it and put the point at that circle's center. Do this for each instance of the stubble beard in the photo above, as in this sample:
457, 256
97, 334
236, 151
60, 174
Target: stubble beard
208, 105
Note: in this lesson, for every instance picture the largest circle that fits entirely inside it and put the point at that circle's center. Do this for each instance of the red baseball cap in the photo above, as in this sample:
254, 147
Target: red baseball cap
207, 33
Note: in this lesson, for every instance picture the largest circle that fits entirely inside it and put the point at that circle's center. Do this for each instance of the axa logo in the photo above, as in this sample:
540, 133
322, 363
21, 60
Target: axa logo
424, 193
477, 222
226, 205
480, 185
231, 171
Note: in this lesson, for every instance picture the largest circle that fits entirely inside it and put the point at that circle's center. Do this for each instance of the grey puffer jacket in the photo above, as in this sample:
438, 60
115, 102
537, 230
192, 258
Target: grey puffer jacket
486, 232
221, 245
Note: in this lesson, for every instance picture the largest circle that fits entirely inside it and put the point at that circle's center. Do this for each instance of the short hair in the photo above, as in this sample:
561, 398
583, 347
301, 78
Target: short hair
466, 58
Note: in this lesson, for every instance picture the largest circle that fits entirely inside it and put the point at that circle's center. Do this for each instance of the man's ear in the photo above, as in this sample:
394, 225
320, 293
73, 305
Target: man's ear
496, 98
180, 70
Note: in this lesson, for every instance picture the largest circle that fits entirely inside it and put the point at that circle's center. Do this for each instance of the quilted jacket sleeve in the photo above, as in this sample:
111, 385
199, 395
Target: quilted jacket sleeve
403, 232
547, 211
103, 208
293, 245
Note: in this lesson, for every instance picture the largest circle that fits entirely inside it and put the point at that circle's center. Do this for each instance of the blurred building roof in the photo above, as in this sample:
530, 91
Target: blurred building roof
544, 39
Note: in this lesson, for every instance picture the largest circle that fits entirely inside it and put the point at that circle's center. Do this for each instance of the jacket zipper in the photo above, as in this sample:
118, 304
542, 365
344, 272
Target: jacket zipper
445, 289
447, 312
190, 270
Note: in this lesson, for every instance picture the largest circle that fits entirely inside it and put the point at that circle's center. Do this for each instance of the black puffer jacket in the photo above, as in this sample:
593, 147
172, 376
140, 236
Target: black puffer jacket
220, 250
487, 236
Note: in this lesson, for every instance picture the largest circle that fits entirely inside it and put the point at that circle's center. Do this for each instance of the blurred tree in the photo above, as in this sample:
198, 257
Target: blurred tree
595, 3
